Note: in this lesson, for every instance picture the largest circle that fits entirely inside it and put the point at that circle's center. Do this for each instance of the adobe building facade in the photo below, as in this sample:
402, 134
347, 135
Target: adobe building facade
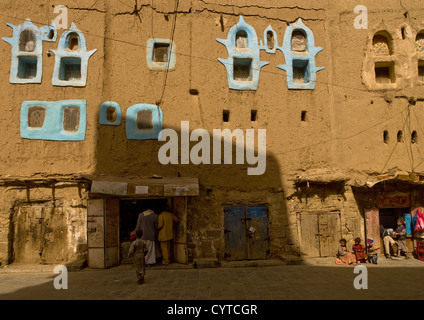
83, 109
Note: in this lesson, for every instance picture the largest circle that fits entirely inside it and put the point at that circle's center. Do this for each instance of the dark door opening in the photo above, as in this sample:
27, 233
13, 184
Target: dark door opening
128, 215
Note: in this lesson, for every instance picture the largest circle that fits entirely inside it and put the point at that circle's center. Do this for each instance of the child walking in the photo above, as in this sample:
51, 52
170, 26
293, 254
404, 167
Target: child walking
137, 251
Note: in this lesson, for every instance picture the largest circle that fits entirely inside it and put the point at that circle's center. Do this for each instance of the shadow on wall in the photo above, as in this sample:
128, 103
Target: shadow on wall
229, 198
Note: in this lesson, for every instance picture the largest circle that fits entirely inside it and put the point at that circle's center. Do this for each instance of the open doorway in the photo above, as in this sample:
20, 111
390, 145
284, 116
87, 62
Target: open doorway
388, 219
128, 215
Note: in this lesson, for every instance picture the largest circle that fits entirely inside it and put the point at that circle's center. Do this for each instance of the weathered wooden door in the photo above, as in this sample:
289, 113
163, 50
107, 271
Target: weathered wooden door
309, 239
246, 232
103, 233
372, 225
40, 234
179, 205
319, 233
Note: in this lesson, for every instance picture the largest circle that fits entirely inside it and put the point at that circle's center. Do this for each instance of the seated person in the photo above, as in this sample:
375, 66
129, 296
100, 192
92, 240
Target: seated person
344, 256
386, 235
359, 251
372, 251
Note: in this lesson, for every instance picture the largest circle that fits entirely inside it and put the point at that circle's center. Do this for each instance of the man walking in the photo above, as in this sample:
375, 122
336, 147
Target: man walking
147, 222
166, 233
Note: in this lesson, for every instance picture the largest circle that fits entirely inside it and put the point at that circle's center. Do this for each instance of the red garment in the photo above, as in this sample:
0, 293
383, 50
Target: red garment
359, 251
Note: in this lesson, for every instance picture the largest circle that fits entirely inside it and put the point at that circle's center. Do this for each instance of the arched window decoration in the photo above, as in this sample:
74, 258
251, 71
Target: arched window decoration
298, 42
414, 137
143, 122
71, 59
419, 42
110, 113
271, 42
27, 41
241, 40
381, 43
58, 120
243, 66
299, 51
27, 48
73, 41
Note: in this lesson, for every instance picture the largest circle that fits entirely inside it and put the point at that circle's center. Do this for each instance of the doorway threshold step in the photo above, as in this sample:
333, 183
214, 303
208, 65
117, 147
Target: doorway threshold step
206, 263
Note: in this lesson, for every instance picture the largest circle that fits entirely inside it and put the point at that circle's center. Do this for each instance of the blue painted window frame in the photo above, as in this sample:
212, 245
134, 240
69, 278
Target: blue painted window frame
36, 56
252, 51
52, 128
132, 131
149, 55
64, 54
293, 57
103, 113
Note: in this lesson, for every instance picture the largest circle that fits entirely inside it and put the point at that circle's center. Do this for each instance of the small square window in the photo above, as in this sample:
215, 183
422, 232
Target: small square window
161, 52
384, 73
71, 119
144, 119
303, 116
300, 71
36, 116
70, 69
27, 67
242, 69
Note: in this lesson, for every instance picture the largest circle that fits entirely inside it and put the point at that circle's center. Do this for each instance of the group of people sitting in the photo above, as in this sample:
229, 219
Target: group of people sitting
360, 254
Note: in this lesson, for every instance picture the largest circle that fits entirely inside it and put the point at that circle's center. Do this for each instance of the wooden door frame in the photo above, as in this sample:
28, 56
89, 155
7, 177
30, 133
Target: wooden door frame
318, 213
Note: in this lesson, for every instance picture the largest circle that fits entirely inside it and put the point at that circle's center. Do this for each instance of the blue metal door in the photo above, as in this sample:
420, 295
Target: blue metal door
246, 232
235, 233
257, 232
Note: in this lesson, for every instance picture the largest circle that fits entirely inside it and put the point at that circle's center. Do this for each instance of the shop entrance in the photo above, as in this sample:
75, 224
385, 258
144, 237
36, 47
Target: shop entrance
387, 217
111, 220
128, 215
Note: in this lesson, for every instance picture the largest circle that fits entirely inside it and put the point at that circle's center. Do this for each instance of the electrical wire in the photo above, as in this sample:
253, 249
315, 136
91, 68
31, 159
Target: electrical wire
170, 52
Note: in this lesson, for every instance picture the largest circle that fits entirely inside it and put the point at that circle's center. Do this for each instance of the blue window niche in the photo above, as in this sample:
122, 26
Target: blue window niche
299, 52
110, 113
160, 54
271, 41
243, 63
59, 120
143, 122
71, 59
27, 48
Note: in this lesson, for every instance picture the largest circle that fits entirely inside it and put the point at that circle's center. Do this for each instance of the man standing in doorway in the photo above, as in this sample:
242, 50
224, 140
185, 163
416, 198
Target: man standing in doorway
147, 222
166, 233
